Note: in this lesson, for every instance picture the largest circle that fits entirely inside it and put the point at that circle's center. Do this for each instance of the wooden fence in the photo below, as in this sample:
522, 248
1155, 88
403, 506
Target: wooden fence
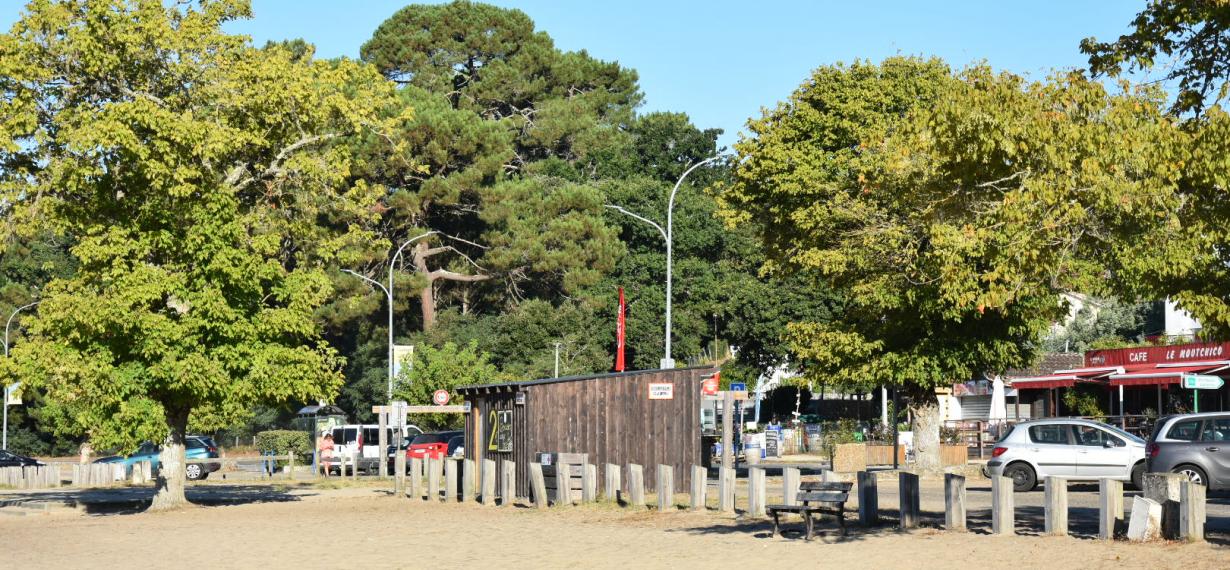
34, 477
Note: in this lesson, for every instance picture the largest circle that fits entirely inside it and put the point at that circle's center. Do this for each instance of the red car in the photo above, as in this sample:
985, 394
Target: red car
433, 445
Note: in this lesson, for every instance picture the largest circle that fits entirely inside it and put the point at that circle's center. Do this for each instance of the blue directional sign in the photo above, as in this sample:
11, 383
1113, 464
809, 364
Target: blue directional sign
738, 387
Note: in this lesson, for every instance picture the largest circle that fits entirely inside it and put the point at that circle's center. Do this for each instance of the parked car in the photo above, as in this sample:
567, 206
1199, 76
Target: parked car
10, 459
433, 445
1078, 449
457, 446
1194, 445
196, 447
364, 438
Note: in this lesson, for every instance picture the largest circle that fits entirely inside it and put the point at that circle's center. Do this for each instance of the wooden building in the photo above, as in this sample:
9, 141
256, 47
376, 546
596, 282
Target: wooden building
648, 417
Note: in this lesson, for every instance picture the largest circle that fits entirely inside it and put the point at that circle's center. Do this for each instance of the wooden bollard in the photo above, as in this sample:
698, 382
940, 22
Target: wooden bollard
868, 499
354, 466
1164, 489
726, 489
399, 471
636, 484
1003, 509
589, 483
756, 491
563, 484
907, 486
434, 466
699, 486
1192, 511
467, 481
416, 478
508, 483
290, 466
790, 485
666, 488
488, 482
954, 502
450, 480
1056, 506
612, 483
538, 486
1110, 507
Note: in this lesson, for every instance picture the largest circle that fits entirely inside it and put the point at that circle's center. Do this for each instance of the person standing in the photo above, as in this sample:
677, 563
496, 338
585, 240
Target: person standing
324, 450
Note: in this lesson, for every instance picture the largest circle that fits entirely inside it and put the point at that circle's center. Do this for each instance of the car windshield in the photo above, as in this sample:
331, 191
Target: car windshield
1123, 434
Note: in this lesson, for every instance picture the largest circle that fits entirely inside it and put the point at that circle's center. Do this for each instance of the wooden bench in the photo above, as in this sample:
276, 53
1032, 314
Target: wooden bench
815, 497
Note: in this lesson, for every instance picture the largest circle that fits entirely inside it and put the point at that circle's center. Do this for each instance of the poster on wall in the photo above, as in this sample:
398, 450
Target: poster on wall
662, 391
501, 438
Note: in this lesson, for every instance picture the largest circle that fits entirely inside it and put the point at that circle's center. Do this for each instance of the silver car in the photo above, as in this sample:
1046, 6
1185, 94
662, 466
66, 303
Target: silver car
1195, 445
1077, 449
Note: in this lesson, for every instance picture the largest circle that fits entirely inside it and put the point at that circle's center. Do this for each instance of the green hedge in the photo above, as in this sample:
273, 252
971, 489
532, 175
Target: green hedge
283, 441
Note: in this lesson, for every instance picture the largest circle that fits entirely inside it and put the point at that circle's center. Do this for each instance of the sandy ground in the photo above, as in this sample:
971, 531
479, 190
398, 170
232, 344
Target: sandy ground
363, 527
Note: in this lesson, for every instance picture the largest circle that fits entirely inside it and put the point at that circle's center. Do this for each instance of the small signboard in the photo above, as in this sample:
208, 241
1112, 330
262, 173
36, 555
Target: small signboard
771, 447
1202, 382
739, 395
738, 387
662, 391
439, 397
709, 386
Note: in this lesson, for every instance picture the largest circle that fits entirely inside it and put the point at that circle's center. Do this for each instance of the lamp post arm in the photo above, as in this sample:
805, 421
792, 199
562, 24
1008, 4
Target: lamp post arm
369, 280
10, 322
622, 210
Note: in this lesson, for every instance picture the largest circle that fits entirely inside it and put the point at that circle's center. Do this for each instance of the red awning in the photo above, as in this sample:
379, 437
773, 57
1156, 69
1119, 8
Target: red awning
1161, 375
1037, 382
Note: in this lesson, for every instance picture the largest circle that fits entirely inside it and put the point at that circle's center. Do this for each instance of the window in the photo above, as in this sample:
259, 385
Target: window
342, 436
1052, 433
1184, 431
1216, 430
1094, 437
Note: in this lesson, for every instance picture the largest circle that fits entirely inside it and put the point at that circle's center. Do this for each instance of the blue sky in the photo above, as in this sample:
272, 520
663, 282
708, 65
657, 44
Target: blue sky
722, 61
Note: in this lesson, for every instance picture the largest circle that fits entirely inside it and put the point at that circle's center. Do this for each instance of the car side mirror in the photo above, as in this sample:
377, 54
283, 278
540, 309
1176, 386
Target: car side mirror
1109, 443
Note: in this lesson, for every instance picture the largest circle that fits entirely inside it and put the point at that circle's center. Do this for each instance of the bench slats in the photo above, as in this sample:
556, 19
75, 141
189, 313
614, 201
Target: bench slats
824, 497
825, 486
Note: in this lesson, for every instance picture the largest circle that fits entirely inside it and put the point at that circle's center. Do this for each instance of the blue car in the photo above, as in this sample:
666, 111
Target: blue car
198, 447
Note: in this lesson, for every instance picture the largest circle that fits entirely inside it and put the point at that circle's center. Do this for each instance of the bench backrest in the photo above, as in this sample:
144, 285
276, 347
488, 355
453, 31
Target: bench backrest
824, 496
826, 486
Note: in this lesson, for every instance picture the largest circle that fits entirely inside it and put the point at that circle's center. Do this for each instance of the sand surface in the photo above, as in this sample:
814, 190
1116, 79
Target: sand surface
365, 528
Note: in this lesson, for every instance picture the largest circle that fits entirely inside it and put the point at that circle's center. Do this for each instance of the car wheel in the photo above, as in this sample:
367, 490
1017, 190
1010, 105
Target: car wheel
1138, 476
194, 472
1022, 475
1193, 474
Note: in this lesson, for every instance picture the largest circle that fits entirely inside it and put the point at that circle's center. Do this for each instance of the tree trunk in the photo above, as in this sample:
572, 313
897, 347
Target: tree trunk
171, 480
926, 427
427, 296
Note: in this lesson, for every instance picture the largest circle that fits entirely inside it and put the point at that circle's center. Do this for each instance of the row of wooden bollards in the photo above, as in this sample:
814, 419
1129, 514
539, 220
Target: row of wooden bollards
31, 477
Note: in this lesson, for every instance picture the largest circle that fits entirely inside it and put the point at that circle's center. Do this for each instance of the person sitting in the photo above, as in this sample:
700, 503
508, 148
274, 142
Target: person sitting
324, 452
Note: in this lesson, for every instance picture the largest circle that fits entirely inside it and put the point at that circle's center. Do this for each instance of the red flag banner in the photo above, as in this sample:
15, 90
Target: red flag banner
619, 333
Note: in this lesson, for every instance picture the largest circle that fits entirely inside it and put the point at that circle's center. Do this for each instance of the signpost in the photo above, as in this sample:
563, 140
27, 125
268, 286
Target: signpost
1200, 382
440, 397
9, 400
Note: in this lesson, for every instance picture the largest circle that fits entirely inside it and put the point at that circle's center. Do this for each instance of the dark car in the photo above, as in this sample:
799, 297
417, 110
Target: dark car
196, 447
1194, 445
10, 459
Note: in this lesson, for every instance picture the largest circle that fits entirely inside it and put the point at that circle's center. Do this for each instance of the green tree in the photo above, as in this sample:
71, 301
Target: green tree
205, 183
950, 211
1193, 34
447, 367
1100, 323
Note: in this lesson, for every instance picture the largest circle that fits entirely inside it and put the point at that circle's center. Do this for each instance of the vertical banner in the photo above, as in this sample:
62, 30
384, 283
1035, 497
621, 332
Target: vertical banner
619, 333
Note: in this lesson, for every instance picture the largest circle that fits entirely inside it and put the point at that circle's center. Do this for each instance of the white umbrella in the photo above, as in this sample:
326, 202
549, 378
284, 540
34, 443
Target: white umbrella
999, 403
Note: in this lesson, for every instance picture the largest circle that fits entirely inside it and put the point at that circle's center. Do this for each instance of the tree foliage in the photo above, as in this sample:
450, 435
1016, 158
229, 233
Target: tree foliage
445, 368
205, 184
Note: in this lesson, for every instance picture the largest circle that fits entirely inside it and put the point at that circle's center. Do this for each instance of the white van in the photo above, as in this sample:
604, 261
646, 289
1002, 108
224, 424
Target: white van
366, 439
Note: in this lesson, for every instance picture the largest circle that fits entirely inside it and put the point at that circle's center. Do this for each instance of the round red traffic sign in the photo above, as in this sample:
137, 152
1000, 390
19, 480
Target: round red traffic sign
440, 397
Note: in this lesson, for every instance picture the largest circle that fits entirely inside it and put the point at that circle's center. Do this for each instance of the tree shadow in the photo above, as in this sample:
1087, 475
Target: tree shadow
132, 500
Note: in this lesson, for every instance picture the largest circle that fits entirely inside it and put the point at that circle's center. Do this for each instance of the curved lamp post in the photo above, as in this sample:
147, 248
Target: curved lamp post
388, 294
5, 443
668, 235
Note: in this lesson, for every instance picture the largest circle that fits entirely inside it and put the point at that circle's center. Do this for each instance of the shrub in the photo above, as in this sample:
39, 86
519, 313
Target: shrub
283, 441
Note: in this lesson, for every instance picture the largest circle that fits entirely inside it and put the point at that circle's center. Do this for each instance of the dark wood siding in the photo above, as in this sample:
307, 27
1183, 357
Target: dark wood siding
610, 417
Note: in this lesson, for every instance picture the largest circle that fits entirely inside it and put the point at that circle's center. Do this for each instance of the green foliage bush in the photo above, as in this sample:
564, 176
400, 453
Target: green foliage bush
283, 441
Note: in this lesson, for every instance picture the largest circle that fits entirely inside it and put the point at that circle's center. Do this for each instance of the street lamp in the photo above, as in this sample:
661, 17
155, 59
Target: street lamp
667, 234
388, 294
5, 443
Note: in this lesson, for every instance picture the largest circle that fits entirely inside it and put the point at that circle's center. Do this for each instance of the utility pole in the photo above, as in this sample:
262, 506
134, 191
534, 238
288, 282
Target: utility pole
4, 440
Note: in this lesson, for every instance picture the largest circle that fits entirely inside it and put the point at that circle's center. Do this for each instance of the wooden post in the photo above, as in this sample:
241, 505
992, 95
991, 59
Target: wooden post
726, 490
589, 483
467, 481
538, 486
666, 488
1056, 506
416, 478
563, 484
290, 465
612, 484
699, 486
907, 488
728, 418
354, 465
488, 482
1003, 515
508, 483
756, 491
790, 486
450, 480
434, 465
1164, 489
954, 502
636, 484
1192, 511
384, 442
1110, 507
868, 499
